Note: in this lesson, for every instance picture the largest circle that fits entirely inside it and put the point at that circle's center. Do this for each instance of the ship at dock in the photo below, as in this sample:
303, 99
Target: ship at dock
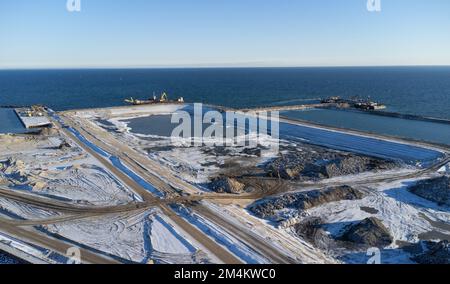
163, 99
357, 103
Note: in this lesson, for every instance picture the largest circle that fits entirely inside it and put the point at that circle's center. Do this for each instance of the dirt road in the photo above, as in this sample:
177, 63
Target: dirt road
210, 245
108, 143
45, 241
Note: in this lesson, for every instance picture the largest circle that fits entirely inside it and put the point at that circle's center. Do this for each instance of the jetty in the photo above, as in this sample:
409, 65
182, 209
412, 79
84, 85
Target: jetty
332, 102
164, 99
33, 117
289, 107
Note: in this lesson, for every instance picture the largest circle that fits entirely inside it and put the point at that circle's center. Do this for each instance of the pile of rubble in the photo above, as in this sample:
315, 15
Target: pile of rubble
438, 253
322, 165
227, 185
435, 189
368, 232
13, 170
304, 200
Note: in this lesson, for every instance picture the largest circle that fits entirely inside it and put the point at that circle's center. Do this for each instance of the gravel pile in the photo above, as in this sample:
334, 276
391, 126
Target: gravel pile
439, 253
435, 189
370, 232
321, 165
304, 200
227, 185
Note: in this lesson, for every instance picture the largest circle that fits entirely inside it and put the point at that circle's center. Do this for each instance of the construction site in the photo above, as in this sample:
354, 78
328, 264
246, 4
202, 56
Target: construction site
163, 99
112, 184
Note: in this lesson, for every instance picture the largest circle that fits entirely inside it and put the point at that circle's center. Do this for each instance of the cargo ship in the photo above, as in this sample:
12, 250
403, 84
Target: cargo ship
163, 99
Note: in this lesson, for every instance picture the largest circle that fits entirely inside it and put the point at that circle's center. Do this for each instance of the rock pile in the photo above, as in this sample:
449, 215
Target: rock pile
64, 145
369, 232
227, 185
314, 166
308, 228
14, 170
435, 189
304, 200
439, 253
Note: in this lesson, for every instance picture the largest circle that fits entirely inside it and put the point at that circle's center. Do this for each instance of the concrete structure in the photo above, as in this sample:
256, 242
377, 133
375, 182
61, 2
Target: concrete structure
32, 119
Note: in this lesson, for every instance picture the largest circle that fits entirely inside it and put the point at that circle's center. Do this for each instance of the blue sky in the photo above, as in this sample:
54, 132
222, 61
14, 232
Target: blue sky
201, 33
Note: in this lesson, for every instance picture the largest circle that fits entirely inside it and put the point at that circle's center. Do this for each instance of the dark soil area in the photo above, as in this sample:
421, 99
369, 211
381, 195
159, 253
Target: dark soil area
437, 253
314, 163
226, 185
435, 189
304, 200
368, 232
6, 258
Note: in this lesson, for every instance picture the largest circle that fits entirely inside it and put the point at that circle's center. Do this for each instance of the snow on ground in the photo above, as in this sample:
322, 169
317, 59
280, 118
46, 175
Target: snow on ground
36, 253
14, 210
235, 246
371, 175
189, 163
88, 183
170, 244
282, 240
410, 153
146, 109
198, 164
193, 164
165, 239
129, 111
137, 237
120, 235
41, 166
445, 169
398, 209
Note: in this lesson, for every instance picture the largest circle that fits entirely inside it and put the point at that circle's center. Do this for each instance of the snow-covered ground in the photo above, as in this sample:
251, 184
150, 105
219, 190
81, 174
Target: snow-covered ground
361, 143
28, 251
399, 210
229, 242
67, 174
56, 168
138, 237
193, 164
405, 215
129, 111
14, 210
445, 169
282, 240
198, 164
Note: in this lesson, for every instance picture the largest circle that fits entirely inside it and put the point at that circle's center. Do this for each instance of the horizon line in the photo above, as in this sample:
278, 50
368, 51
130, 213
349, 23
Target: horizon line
212, 67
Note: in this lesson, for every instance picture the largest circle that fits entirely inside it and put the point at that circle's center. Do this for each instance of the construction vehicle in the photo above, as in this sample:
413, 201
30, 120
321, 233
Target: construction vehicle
164, 98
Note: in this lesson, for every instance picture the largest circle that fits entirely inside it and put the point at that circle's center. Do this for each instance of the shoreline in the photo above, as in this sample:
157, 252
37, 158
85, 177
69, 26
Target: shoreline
76, 126
395, 115
398, 139
404, 140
